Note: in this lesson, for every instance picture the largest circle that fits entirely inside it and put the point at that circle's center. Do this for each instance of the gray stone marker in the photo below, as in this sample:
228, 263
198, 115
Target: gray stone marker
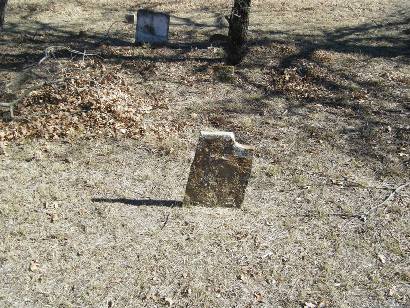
152, 27
220, 171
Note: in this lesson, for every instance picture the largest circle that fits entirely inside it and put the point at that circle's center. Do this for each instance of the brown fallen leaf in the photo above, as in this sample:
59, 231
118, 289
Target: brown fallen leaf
3, 149
258, 297
241, 277
169, 301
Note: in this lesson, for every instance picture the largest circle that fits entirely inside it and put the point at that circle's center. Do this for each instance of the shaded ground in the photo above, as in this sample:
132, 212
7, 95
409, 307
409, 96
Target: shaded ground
95, 219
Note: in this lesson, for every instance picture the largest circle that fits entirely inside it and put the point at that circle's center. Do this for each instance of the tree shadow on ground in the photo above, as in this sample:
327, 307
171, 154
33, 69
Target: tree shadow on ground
31, 41
280, 58
291, 68
364, 39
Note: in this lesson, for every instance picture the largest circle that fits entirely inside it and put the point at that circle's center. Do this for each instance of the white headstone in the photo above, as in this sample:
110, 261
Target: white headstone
152, 27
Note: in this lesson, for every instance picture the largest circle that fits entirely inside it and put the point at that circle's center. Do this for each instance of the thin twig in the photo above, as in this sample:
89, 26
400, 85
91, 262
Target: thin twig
107, 32
166, 221
52, 49
167, 217
363, 217
388, 199
48, 51
26, 92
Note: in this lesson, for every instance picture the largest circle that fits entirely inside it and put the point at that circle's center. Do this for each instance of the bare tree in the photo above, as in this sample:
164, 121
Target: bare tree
3, 4
238, 28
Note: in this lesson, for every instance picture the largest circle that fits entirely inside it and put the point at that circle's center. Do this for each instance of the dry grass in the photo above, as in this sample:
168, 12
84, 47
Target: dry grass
93, 220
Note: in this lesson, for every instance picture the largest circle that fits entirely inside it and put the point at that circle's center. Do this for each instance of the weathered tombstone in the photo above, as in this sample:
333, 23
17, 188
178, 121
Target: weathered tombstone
152, 27
220, 171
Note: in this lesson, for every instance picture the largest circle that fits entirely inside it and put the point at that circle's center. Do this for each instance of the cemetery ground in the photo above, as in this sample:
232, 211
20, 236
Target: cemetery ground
93, 165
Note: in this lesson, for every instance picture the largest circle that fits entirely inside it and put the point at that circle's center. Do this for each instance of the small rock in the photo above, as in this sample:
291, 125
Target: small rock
268, 254
33, 266
382, 258
53, 217
393, 291
363, 218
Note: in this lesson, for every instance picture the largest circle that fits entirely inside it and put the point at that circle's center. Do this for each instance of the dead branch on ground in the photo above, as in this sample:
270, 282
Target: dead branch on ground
388, 199
28, 73
52, 49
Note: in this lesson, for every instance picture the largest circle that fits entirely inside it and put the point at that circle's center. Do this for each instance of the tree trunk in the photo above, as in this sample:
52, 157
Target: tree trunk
238, 28
3, 4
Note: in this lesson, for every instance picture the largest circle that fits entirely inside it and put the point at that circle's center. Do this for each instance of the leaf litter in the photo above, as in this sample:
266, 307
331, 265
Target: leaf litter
89, 99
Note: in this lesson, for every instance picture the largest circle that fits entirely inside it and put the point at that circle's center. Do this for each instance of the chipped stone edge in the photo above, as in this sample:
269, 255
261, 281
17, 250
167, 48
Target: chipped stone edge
131, 18
240, 150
